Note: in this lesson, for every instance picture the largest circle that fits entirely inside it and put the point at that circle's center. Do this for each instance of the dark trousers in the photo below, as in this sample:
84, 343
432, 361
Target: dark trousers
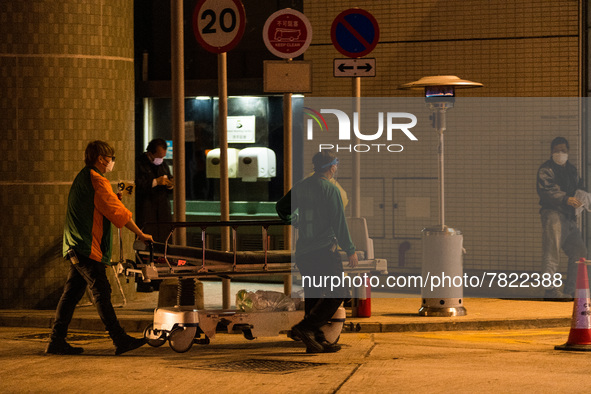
92, 274
321, 302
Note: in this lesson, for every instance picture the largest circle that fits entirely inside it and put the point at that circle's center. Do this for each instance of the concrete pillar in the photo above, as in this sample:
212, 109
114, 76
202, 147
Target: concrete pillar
67, 78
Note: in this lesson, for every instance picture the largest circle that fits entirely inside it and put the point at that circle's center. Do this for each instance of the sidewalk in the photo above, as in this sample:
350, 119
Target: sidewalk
388, 315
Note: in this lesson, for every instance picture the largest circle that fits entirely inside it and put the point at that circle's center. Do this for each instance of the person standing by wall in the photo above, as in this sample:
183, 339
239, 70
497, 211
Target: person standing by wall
153, 189
321, 227
87, 244
557, 183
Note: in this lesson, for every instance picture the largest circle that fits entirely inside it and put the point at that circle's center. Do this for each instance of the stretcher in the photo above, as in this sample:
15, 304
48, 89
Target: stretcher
183, 325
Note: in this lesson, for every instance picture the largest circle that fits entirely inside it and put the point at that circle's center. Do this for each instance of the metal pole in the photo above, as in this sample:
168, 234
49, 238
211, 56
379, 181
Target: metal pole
356, 197
441, 182
440, 125
287, 174
224, 184
223, 142
178, 117
287, 148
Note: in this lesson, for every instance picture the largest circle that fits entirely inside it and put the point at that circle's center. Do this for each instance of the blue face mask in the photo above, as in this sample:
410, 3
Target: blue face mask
158, 160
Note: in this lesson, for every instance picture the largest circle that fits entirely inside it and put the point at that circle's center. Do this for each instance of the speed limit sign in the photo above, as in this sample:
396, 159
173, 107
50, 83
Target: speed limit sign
218, 25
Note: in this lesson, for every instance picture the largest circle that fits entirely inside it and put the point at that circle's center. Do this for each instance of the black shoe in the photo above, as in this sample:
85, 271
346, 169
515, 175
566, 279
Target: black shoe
294, 337
128, 343
557, 295
307, 336
331, 347
56, 346
327, 347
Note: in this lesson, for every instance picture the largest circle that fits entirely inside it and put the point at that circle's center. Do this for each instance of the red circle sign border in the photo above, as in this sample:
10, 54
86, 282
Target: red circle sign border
234, 42
272, 18
333, 29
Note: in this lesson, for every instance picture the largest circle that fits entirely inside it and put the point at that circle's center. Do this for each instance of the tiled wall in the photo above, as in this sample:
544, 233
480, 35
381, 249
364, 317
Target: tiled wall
518, 48
66, 77
66, 70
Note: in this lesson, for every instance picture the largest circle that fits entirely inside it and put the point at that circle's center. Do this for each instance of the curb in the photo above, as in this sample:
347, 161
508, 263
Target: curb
137, 324
376, 327
129, 324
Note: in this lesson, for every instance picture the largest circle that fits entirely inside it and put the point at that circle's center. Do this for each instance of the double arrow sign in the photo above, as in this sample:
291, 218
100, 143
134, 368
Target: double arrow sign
355, 67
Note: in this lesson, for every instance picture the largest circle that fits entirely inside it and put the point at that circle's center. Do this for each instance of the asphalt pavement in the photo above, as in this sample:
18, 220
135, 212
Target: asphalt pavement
500, 345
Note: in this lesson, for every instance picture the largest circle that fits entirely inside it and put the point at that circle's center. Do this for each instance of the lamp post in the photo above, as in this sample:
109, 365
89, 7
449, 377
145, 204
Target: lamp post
442, 245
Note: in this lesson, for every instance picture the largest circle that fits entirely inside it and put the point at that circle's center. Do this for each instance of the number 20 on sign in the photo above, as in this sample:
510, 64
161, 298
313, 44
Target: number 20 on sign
218, 25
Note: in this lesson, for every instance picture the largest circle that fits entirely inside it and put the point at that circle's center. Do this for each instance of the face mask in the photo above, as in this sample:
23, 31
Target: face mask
158, 160
560, 158
110, 166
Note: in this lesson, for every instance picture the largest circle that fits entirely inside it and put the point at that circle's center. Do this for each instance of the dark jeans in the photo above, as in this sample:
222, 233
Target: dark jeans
321, 302
92, 274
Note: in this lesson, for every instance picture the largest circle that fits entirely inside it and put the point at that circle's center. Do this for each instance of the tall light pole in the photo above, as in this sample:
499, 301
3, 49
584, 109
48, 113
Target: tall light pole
442, 245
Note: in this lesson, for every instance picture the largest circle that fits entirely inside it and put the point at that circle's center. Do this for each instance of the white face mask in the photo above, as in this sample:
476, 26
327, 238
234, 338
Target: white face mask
110, 166
158, 160
560, 158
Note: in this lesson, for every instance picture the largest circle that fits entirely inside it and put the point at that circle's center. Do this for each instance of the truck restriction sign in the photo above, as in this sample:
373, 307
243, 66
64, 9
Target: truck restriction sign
287, 33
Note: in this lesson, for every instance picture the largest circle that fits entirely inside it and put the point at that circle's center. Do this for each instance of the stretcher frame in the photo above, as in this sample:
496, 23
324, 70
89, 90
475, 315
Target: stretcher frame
182, 326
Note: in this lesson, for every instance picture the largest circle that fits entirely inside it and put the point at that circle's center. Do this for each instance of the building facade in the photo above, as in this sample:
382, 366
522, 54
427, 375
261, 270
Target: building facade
72, 71
517, 49
67, 78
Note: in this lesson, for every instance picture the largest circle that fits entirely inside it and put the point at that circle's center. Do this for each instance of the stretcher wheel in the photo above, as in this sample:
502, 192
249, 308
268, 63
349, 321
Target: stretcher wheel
181, 338
154, 338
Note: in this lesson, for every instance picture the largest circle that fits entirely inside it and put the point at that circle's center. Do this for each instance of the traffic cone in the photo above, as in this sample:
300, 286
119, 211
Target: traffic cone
579, 338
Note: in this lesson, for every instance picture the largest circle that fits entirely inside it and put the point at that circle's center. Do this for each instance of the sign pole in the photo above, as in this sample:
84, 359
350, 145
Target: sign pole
287, 147
178, 118
218, 26
287, 173
224, 183
356, 200
355, 33
223, 143
287, 34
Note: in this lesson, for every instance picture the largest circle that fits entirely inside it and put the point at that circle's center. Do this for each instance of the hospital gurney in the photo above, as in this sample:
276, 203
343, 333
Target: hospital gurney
182, 325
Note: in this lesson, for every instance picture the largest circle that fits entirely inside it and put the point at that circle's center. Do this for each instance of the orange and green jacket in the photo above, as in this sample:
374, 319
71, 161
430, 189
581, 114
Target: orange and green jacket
92, 207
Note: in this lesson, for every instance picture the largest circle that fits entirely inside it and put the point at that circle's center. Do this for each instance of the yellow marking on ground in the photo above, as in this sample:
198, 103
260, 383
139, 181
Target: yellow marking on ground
510, 337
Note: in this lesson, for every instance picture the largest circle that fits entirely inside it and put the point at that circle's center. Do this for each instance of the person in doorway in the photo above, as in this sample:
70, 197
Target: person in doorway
557, 182
154, 185
87, 244
321, 226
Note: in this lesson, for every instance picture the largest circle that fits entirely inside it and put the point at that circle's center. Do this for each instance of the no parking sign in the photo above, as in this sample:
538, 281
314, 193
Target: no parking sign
355, 32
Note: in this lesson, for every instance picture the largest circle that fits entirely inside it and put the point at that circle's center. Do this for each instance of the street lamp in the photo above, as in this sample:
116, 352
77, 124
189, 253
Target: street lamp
442, 245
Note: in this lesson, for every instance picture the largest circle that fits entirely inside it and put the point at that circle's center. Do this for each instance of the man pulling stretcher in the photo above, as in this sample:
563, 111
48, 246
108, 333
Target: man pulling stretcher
322, 226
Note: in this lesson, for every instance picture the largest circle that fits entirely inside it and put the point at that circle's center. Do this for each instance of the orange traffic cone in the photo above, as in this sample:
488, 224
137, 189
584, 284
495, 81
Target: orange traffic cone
579, 338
